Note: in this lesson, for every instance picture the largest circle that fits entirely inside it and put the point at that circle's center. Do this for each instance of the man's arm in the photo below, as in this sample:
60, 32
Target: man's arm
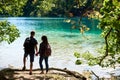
36, 48
24, 44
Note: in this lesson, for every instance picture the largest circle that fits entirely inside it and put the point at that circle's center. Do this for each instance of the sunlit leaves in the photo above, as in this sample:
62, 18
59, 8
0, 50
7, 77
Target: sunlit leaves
81, 27
84, 28
77, 55
93, 14
42, 7
86, 57
111, 20
8, 32
78, 62
11, 7
46, 5
118, 60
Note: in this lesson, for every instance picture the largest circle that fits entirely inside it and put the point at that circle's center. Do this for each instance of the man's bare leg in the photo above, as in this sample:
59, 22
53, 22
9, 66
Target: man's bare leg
31, 65
24, 63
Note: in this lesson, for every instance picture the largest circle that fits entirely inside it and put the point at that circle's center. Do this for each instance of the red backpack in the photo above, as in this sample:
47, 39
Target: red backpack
48, 50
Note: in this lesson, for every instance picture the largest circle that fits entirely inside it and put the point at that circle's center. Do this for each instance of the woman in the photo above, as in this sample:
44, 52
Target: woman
45, 52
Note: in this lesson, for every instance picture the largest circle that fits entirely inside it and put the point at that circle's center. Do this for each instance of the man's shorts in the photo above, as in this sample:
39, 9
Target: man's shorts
31, 56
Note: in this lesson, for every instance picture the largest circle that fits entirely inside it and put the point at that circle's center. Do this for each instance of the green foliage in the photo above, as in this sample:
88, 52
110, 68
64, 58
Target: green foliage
91, 60
78, 62
26, 7
118, 60
11, 7
110, 25
8, 32
45, 7
77, 55
86, 56
38, 7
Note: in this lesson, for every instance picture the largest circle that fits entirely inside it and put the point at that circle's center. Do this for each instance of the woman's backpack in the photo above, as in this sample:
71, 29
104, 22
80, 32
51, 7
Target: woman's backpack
48, 50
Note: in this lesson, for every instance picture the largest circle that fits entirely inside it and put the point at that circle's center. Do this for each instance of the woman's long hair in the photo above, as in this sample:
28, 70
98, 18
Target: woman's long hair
45, 40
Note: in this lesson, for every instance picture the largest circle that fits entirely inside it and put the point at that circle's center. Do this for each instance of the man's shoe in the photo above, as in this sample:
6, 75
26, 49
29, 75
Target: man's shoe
24, 68
30, 73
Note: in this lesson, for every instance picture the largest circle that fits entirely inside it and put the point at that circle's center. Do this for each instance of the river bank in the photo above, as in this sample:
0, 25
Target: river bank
53, 74
58, 74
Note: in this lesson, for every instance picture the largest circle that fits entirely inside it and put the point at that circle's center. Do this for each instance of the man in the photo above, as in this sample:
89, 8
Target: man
30, 45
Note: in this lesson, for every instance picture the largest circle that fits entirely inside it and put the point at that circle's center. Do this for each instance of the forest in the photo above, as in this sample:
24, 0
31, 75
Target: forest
48, 8
106, 11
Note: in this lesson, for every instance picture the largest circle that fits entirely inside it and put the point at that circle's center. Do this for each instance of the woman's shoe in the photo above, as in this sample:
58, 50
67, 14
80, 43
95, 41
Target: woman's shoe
42, 72
24, 68
46, 72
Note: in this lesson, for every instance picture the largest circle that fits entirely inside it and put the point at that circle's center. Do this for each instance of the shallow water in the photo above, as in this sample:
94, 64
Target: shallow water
64, 42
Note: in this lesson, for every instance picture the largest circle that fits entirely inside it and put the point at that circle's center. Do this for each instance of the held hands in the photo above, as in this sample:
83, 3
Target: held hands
37, 53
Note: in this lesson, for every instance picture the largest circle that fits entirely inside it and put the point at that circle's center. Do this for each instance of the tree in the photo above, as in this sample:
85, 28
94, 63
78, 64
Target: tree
8, 32
46, 7
38, 7
110, 25
11, 7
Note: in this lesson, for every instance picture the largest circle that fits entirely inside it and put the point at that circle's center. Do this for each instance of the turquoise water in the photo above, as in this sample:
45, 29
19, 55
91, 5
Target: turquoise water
64, 41
52, 24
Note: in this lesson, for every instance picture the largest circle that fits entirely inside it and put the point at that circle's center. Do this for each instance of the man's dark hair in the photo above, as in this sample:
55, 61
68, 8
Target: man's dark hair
32, 33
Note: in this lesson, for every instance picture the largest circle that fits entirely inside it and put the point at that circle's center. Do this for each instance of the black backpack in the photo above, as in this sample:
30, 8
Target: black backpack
27, 43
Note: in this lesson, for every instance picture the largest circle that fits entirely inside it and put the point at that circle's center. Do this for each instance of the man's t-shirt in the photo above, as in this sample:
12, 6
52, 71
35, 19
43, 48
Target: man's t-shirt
30, 48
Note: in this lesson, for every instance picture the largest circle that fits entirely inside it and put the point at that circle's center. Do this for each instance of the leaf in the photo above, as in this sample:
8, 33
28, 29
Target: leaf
8, 32
78, 62
77, 55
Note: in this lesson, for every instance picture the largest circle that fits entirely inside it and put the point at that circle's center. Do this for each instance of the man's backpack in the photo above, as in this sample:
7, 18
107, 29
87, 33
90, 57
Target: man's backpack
48, 50
27, 43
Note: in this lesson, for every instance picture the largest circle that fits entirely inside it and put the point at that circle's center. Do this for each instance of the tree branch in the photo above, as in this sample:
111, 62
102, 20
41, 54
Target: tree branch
106, 51
73, 73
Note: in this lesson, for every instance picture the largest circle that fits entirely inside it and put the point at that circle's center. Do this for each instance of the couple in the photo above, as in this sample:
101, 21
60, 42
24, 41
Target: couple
30, 45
